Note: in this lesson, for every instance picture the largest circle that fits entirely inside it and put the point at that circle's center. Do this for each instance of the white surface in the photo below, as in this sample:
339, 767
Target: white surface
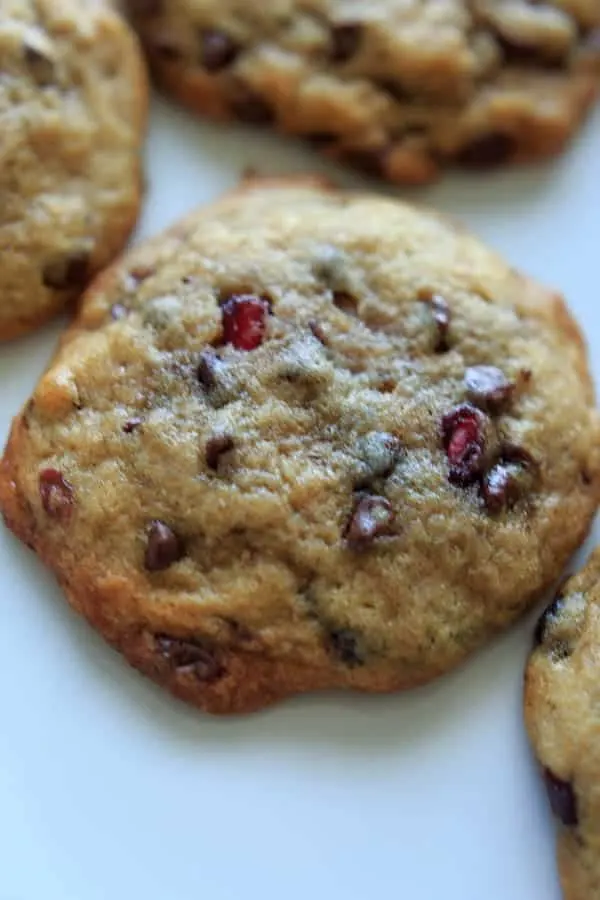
109, 790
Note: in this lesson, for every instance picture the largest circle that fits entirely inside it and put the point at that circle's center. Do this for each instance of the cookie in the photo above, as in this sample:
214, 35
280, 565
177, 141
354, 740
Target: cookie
561, 711
73, 99
306, 439
399, 90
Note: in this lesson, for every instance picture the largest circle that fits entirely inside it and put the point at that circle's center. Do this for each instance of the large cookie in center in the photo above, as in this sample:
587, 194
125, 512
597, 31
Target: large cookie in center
307, 439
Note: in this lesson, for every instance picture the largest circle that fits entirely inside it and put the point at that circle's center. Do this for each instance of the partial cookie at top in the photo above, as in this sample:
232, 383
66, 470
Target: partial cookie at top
73, 99
397, 89
562, 700
307, 439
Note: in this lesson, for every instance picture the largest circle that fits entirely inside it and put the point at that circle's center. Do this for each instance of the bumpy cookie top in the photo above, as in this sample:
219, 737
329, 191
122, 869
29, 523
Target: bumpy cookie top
396, 87
562, 703
327, 437
72, 107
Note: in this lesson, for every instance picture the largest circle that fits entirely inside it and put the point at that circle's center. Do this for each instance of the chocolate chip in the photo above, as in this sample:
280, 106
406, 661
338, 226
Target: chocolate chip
551, 614
500, 488
218, 50
208, 369
562, 799
118, 311
347, 646
69, 271
442, 316
194, 656
489, 388
248, 106
510, 479
372, 517
39, 60
464, 440
216, 446
163, 547
346, 302
56, 494
132, 425
345, 41
487, 151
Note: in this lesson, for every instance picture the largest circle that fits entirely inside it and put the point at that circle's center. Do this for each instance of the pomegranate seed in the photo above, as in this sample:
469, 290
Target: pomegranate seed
245, 321
463, 432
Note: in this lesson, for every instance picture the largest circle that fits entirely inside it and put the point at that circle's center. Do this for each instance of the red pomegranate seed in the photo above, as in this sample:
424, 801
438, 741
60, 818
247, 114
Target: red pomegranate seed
463, 431
245, 321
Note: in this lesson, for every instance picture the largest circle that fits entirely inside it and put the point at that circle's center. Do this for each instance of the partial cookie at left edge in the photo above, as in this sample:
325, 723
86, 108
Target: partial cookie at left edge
73, 103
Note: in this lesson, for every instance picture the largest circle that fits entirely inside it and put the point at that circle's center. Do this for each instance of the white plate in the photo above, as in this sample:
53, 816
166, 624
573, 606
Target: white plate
110, 790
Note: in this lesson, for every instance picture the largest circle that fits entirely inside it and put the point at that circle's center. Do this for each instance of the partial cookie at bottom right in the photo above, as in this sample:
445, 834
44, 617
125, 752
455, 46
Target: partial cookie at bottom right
562, 713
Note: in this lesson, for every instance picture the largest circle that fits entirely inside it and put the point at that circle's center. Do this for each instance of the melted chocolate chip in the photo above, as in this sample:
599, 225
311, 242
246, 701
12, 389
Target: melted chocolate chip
132, 425
562, 799
372, 517
489, 388
345, 41
218, 50
487, 151
163, 547
347, 646
442, 316
69, 271
464, 440
56, 494
192, 656
216, 446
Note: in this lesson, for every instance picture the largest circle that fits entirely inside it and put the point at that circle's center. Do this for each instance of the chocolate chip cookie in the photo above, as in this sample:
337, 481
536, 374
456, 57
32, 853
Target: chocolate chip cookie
73, 98
562, 698
306, 439
397, 89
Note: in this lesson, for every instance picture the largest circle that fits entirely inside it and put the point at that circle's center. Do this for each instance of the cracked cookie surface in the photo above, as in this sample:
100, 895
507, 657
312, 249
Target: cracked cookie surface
306, 439
73, 98
562, 699
396, 88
